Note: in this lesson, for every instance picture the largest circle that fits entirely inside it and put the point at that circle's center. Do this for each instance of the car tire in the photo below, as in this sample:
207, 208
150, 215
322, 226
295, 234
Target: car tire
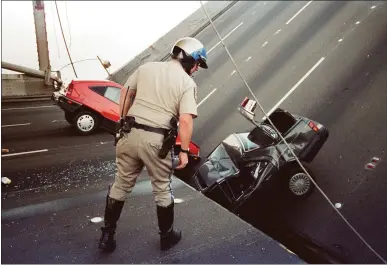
86, 122
69, 117
298, 184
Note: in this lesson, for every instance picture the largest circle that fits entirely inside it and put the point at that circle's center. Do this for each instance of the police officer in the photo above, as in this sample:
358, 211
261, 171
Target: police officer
162, 90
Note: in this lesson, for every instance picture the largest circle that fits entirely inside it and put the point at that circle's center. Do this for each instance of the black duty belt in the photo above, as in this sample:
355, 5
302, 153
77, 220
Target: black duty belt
161, 131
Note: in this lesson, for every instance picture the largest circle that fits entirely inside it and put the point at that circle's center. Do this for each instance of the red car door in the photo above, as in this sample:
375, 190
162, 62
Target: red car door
111, 109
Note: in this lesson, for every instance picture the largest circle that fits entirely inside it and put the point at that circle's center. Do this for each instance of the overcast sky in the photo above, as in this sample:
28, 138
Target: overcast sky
114, 30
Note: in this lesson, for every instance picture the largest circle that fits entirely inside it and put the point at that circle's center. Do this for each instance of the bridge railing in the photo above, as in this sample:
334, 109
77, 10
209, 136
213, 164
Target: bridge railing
32, 84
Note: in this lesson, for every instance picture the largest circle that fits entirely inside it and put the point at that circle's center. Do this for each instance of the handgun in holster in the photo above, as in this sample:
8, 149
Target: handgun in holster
169, 139
124, 126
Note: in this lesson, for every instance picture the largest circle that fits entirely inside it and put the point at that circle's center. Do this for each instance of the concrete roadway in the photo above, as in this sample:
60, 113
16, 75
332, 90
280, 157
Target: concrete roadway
323, 60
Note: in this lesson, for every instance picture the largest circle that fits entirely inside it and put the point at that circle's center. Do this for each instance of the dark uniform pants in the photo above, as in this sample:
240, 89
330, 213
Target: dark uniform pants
135, 150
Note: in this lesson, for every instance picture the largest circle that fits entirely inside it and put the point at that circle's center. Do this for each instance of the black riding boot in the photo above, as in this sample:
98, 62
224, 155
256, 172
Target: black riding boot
113, 210
168, 236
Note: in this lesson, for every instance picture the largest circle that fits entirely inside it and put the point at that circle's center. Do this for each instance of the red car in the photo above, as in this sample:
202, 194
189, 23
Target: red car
91, 104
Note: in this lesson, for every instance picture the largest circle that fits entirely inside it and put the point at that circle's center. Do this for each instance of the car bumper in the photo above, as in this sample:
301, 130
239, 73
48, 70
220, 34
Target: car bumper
315, 144
65, 103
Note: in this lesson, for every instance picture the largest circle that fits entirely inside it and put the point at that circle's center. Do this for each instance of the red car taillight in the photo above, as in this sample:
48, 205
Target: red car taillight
244, 102
313, 126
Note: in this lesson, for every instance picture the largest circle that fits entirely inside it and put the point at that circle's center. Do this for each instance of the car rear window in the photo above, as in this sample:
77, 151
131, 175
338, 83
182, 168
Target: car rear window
99, 89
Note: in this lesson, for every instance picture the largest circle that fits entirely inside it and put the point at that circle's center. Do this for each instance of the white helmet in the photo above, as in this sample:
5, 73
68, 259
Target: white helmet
190, 50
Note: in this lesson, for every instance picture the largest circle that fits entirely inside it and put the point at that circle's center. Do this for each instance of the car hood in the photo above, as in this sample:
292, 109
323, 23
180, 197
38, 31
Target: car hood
218, 165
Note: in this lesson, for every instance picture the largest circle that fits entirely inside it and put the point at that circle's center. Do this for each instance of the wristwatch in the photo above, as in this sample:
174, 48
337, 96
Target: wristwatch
185, 151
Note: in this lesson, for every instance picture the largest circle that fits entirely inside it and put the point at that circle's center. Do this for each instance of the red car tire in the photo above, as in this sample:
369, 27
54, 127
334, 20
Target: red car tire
86, 122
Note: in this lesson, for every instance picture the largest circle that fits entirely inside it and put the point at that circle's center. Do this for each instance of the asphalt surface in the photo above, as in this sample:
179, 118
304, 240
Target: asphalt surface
69, 236
345, 45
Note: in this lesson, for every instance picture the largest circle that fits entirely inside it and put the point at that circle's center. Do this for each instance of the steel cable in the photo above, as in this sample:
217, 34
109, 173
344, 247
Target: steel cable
64, 39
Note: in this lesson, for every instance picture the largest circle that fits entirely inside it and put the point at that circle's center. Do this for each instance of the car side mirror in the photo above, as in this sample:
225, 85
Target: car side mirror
260, 136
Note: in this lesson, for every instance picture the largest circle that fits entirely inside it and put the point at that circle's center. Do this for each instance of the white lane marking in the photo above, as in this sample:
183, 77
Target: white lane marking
372, 7
58, 121
278, 31
204, 99
25, 153
293, 17
37, 107
248, 59
233, 72
263, 45
353, 29
5, 180
14, 125
178, 200
96, 219
340, 40
254, 12
225, 37
296, 85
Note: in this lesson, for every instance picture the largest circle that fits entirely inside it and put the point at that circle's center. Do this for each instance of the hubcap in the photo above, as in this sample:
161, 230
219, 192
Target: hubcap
299, 184
85, 123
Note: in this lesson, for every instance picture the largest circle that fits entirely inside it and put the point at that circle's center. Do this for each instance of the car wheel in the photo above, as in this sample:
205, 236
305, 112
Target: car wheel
86, 122
299, 184
69, 117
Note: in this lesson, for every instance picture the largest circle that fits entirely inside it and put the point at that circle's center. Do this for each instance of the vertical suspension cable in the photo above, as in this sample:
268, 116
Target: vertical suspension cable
53, 22
64, 39
282, 138
68, 23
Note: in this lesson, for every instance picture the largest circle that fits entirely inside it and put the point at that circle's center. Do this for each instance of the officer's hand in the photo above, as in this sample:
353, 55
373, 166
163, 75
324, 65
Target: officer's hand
183, 157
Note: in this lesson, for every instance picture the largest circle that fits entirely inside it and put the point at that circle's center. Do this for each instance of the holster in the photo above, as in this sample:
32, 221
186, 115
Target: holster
169, 139
128, 124
124, 126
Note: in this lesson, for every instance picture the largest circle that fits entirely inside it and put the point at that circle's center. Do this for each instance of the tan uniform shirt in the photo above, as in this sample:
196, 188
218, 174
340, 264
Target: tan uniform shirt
163, 90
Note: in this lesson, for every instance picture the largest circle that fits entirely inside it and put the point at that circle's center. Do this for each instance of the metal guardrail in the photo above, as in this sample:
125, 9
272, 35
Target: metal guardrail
30, 72
47, 76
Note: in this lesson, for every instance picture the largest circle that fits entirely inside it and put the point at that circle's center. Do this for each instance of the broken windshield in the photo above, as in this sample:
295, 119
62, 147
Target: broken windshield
218, 166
